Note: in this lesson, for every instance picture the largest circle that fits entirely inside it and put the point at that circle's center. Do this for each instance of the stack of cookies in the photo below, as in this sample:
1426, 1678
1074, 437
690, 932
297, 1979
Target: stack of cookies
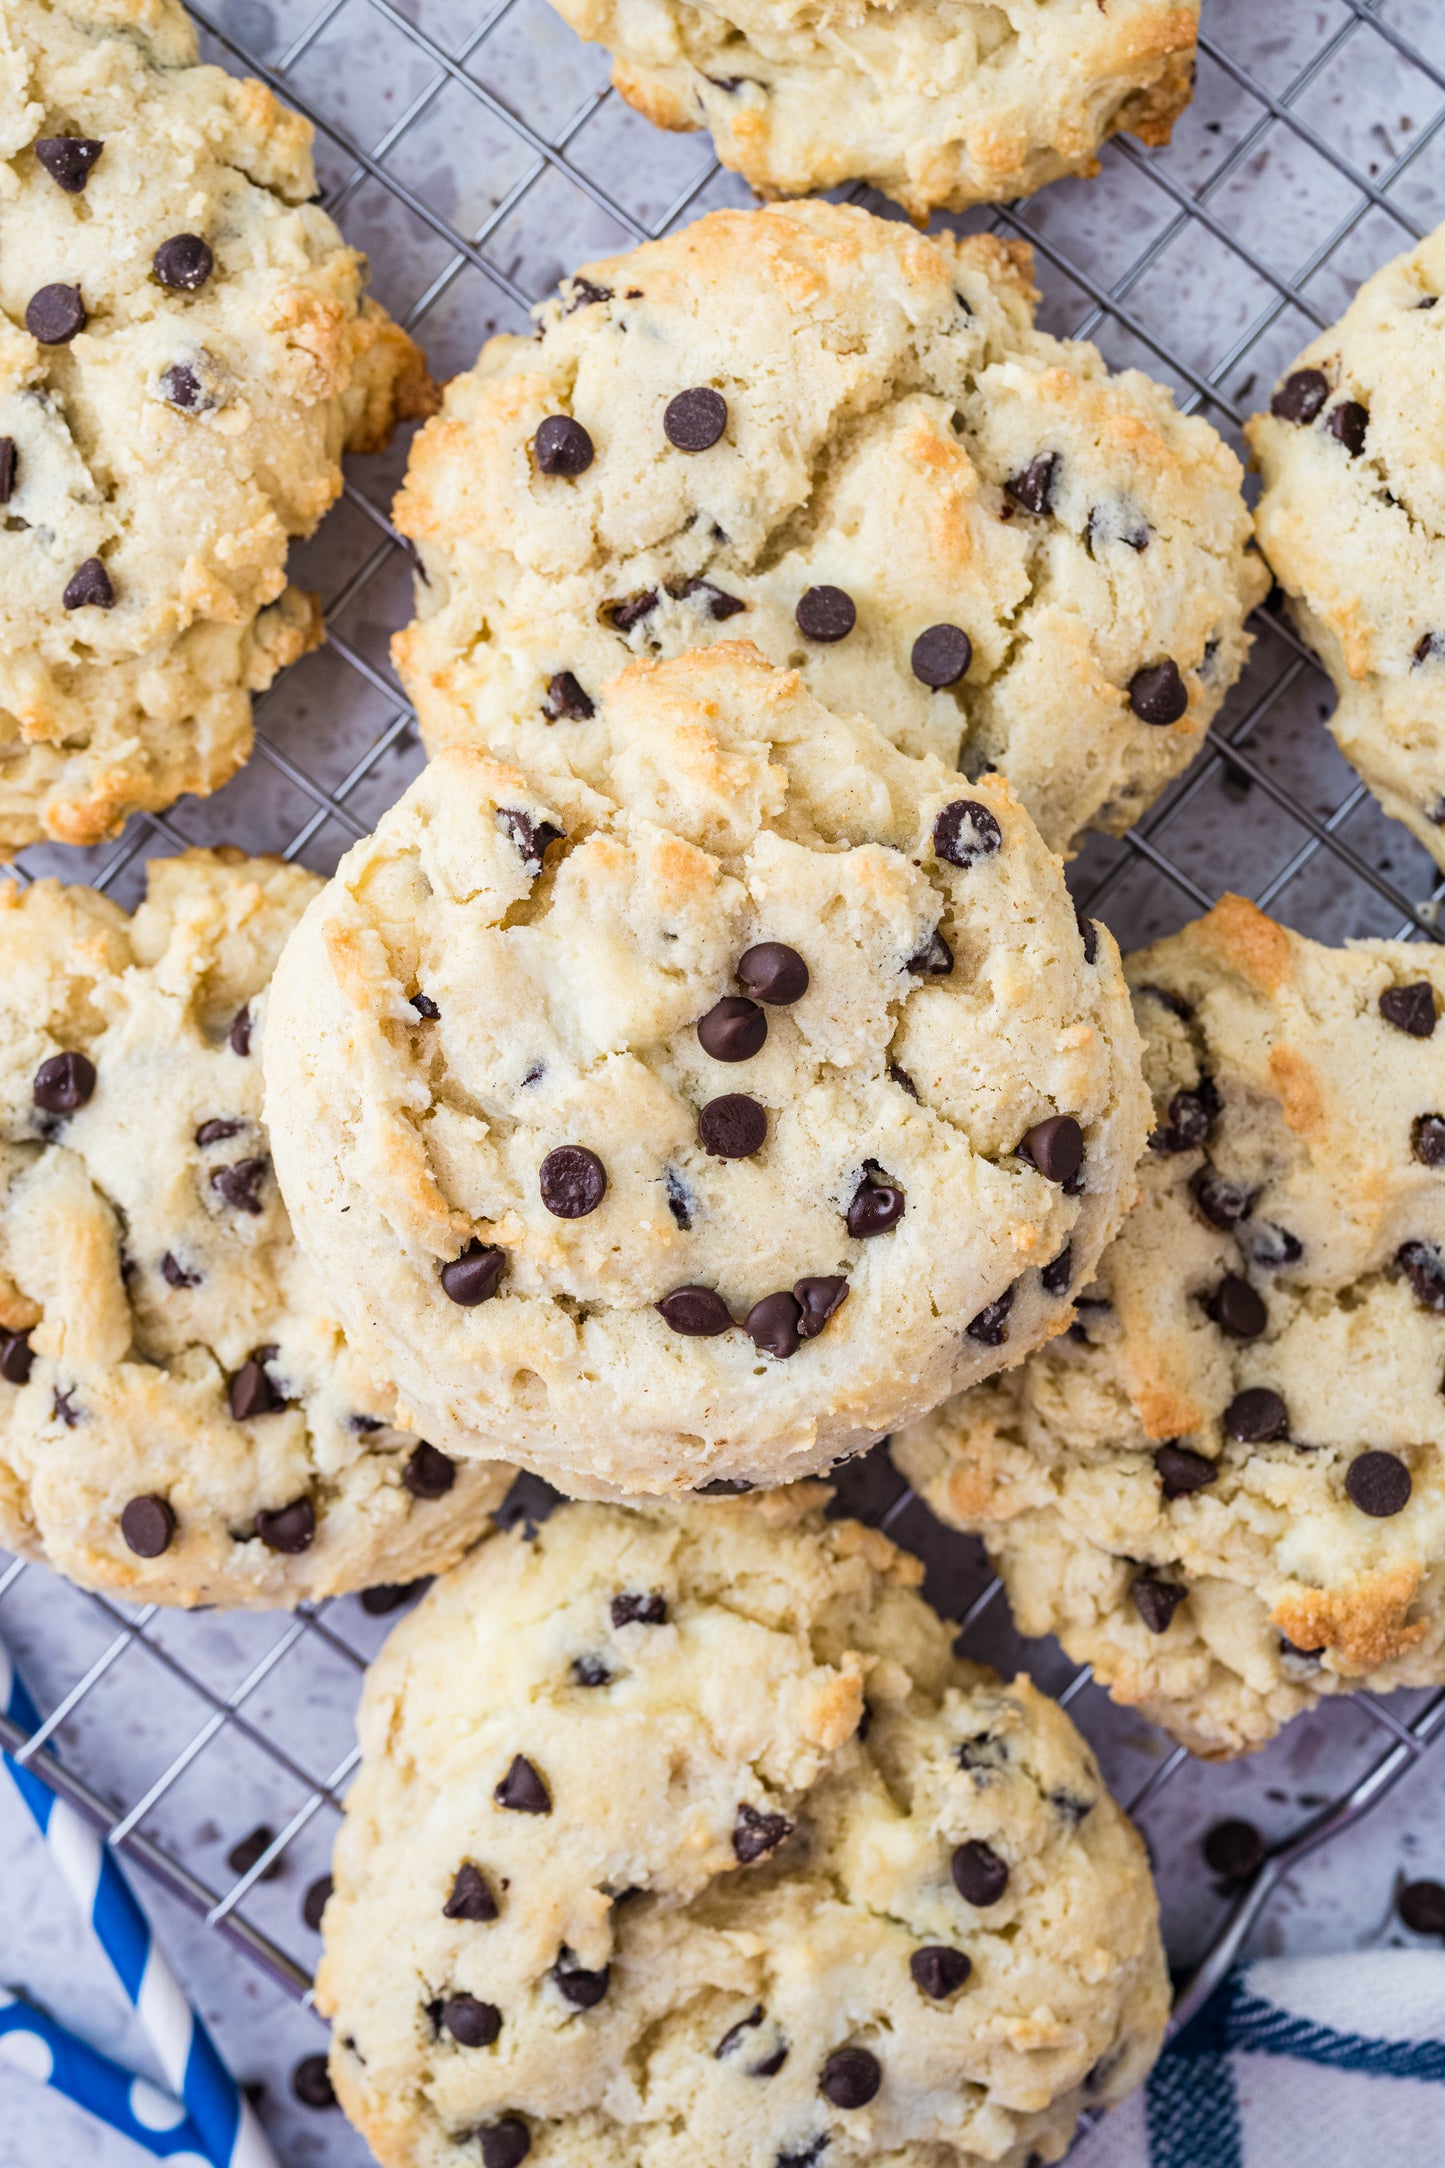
703, 1072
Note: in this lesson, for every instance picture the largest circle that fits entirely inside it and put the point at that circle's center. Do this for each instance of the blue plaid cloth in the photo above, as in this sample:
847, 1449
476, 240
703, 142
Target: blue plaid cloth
1324, 2062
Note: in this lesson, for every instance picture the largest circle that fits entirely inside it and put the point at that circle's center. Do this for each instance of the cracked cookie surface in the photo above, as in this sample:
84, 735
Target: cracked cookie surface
181, 1418
1223, 1487
657, 1120
1024, 562
659, 1851
185, 351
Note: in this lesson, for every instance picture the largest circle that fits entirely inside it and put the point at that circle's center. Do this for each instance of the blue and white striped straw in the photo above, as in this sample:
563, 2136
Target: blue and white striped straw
230, 2135
32, 2042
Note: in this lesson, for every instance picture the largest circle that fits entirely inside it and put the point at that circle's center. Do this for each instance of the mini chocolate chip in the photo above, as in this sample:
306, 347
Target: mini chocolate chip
772, 972
252, 1393
63, 1408
566, 702
1055, 1147
89, 587
720, 605
55, 315
631, 610
562, 446
290, 1529
311, 2083
528, 1503
934, 960
471, 1897
1379, 1484
1237, 1309
680, 1201
756, 1833
733, 1127
1256, 1416
64, 1083
1157, 693
850, 2077
471, 2022
1191, 1117
384, 1597
1233, 1849
182, 387
733, 1029
1347, 424
979, 1875
938, 1970
68, 160
1427, 1139
941, 656
473, 1277
631, 1609
213, 1131
965, 832
699, 1312
1421, 1906
1089, 935
239, 1036
183, 263
8, 465
1271, 1246
694, 420
1300, 397
583, 1989
877, 1205
826, 614
1156, 1601
148, 1525
1424, 1267
586, 295
904, 1081
531, 837
590, 1671
1223, 1204
522, 1789
1034, 487
242, 1857
772, 1325
990, 1327
573, 1181
505, 2144
428, 1473
732, 2039
17, 1357
1055, 1276
1427, 648
807, 2156
1182, 1472
426, 1008
313, 1904
818, 1300
238, 1184
1410, 1008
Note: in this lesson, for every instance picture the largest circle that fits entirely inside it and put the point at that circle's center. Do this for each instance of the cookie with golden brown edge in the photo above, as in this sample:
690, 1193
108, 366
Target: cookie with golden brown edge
680, 1840
1223, 1487
847, 443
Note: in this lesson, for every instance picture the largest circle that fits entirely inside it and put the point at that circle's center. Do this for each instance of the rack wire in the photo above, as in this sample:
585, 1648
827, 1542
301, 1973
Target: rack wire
477, 158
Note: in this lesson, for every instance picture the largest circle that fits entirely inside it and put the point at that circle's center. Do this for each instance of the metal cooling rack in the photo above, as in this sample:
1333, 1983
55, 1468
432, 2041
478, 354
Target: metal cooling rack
477, 158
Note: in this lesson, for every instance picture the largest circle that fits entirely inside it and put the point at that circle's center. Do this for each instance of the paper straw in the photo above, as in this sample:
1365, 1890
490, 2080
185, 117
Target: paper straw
33, 2043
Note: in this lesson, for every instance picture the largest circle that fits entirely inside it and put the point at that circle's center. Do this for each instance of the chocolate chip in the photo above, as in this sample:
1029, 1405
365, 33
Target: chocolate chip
181, 386
531, 837
1233, 1850
522, 1789
215, 1130
384, 1597
471, 2022
148, 1525
1379, 1484
1421, 1906
311, 2083
934, 960
773, 972
733, 1127
1223, 1204
1191, 1117
238, 1184
68, 160
528, 1503
1271, 1246
1055, 1276
17, 1357
679, 1199
733, 1029
89, 587
826, 614
1089, 935
804, 2156
904, 1081
1156, 1601
505, 2144
313, 1904
239, 1036
642, 1610
471, 1897
631, 610
941, 656
426, 1008
290, 1530
877, 1205
979, 1875
756, 1833
1427, 1139
1300, 397
55, 315
583, 1989
818, 1300
695, 419
566, 701
428, 1473
1347, 424
251, 1391
732, 2039
1410, 1008
1237, 1309
590, 1671
1168, 999
573, 1181
1182, 1472
720, 605
8, 464
938, 1970
772, 1325
1426, 649
966, 831
183, 263
1034, 488
242, 1857
586, 295
473, 1277
850, 2077
64, 1410
1055, 1147
562, 446
1157, 694
699, 1312
1256, 1416
64, 1083
990, 1327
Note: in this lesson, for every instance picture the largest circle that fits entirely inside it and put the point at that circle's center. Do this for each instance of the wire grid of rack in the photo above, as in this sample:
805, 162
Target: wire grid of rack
477, 159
